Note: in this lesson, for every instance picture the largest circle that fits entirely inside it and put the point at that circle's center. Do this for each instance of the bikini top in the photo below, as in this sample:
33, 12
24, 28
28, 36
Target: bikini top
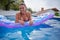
24, 18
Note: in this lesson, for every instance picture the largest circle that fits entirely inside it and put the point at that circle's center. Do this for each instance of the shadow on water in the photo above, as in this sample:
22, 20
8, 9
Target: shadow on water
56, 19
24, 30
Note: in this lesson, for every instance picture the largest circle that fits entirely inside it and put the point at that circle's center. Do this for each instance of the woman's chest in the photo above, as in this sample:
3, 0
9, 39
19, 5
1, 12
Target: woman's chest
24, 17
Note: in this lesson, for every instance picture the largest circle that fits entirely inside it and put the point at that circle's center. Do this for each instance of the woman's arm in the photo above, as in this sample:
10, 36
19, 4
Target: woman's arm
30, 19
17, 18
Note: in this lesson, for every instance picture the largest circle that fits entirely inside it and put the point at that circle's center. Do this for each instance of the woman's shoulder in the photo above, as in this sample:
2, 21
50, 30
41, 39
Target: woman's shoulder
28, 12
17, 13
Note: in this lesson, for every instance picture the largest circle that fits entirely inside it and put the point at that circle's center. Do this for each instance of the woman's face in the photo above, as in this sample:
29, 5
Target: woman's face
22, 8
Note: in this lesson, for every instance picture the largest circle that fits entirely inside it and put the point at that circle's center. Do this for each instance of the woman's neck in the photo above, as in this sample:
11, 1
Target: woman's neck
22, 13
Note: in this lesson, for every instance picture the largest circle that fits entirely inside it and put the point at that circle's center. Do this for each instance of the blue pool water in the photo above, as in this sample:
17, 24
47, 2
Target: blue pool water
49, 30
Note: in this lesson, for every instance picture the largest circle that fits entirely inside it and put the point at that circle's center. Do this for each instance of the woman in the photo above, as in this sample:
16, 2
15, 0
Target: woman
23, 15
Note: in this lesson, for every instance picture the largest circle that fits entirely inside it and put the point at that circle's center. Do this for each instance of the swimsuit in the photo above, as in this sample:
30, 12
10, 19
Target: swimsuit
24, 19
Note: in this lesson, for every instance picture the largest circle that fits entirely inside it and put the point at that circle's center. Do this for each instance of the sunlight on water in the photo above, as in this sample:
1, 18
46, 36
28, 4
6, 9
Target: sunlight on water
41, 34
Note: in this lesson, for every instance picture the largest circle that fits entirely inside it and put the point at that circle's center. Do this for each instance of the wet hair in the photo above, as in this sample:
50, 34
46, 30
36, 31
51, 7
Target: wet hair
23, 4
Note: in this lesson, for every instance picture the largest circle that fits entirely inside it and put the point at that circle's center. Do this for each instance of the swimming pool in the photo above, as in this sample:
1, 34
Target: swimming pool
51, 31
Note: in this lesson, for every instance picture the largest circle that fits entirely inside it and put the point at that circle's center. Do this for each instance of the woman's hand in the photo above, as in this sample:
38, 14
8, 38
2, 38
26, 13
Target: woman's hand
30, 22
21, 22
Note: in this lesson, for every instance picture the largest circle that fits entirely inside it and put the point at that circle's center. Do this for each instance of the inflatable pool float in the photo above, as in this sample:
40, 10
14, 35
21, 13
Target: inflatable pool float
37, 21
